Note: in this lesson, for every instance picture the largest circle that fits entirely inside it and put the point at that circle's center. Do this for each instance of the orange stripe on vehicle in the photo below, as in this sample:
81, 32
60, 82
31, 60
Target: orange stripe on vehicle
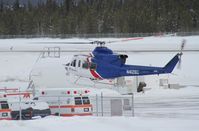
71, 106
14, 94
5, 118
5, 110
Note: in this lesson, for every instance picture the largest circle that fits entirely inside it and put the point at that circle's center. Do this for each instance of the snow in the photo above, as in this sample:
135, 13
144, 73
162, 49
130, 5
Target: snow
100, 124
45, 67
168, 103
157, 109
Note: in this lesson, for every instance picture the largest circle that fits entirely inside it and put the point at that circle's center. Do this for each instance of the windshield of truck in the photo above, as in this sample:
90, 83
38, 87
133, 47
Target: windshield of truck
86, 100
78, 101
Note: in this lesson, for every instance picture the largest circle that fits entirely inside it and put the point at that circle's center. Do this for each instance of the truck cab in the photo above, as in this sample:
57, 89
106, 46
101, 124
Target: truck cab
5, 112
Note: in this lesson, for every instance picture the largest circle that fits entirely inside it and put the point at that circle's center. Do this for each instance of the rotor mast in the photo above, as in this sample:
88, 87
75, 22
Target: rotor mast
99, 43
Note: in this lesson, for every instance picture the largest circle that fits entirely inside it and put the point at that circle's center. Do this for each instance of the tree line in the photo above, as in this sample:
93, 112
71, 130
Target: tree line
99, 16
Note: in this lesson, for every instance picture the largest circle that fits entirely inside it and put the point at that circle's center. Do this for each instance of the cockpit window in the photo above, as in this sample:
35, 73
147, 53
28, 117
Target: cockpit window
86, 100
93, 66
78, 101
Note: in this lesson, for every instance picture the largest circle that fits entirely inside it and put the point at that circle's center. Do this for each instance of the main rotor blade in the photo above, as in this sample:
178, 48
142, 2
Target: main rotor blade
61, 42
125, 40
90, 41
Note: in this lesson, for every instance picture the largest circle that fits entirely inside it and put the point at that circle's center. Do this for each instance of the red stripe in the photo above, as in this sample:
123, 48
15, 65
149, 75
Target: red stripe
5, 118
95, 74
77, 114
71, 106
138, 38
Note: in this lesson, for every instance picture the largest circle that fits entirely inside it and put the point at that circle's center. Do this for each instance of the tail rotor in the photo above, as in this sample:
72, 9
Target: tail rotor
180, 54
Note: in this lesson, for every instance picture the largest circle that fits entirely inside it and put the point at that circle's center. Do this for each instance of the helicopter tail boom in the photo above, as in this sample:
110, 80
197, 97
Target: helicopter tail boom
172, 63
133, 70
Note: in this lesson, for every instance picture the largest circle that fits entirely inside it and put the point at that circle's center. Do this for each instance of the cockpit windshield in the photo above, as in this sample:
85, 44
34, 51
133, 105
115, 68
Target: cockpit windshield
93, 66
87, 65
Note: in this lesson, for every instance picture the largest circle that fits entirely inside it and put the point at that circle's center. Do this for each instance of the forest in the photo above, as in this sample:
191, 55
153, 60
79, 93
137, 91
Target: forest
98, 16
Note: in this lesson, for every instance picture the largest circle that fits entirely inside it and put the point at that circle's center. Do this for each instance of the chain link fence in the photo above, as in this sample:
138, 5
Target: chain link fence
113, 106
102, 35
98, 105
101, 105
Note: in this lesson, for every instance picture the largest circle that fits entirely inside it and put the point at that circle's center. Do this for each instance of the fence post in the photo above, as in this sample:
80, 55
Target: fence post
59, 105
96, 106
20, 111
133, 111
102, 108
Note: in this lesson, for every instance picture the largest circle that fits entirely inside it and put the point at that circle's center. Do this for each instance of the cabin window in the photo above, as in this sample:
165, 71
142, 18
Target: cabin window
78, 101
73, 63
79, 63
68, 101
5, 114
93, 66
85, 65
86, 100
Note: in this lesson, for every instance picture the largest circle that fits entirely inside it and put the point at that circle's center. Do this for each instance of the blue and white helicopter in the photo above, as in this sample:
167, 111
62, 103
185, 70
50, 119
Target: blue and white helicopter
103, 63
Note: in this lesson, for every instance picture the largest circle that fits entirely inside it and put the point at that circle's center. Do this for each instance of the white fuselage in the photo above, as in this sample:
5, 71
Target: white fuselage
82, 66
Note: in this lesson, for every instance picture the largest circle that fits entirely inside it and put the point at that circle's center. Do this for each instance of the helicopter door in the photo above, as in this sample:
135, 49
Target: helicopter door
79, 68
85, 70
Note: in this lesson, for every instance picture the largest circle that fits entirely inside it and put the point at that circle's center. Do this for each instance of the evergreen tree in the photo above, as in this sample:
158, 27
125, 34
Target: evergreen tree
99, 16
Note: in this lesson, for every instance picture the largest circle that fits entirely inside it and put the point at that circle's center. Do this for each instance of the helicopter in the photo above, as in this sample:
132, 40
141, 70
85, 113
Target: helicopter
103, 63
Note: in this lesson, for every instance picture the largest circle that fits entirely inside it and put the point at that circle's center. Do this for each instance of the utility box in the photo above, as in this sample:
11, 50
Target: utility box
164, 83
173, 86
116, 107
121, 81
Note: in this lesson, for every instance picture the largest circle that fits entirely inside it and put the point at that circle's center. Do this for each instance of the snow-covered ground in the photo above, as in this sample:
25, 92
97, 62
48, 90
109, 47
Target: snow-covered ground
168, 103
156, 109
101, 124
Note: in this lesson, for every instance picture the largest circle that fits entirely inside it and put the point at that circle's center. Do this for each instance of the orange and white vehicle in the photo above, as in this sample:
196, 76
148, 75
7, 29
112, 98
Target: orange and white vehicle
5, 112
66, 102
